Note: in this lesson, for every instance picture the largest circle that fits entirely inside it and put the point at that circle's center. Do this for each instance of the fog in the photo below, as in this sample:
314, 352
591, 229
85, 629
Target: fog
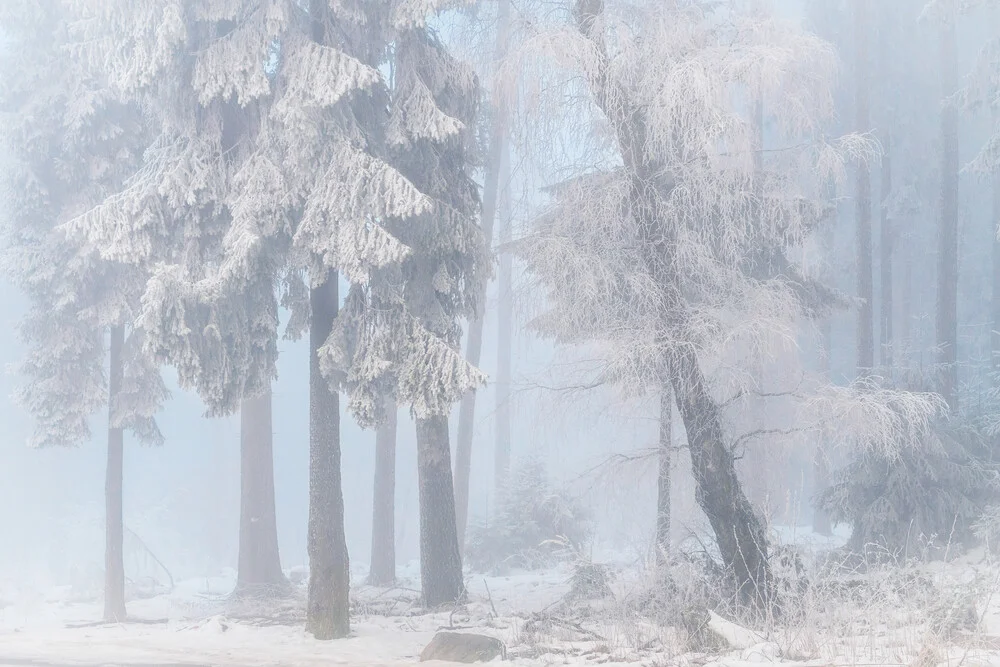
746, 254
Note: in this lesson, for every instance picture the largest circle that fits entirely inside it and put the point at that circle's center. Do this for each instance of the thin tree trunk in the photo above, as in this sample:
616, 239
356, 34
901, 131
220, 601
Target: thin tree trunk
906, 303
259, 569
499, 153
947, 292
328, 614
865, 342
440, 560
821, 461
505, 325
738, 530
383, 563
885, 262
663, 476
114, 560
995, 334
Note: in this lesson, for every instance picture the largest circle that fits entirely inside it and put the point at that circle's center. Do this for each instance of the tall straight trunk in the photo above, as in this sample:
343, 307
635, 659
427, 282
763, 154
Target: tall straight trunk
328, 605
863, 197
259, 570
505, 327
383, 563
947, 286
499, 153
758, 469
328, 612
663, 477
995, 303
440, 560
906, 303
114, 546
738, 530
821, 458
885, 262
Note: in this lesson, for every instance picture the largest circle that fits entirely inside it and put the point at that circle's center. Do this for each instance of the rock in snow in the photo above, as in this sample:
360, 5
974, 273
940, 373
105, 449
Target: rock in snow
463, 647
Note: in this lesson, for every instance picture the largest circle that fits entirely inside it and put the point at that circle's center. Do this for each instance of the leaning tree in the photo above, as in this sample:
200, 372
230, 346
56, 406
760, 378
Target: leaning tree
675, 252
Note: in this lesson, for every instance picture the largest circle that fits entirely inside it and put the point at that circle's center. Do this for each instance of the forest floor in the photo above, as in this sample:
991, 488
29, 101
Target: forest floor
922, 615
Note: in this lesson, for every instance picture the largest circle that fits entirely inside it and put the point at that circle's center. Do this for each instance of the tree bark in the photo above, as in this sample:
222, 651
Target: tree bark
995, 303
885, 262
947, 286
663, 477
865, 342
383, 560
440, 561
499, 155
505, 327
259, 570
114, 546
328, 612
821, 461
906, 303
738, 530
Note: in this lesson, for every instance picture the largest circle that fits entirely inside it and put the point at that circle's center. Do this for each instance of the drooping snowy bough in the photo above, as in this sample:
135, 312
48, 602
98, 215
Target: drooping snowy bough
70, 140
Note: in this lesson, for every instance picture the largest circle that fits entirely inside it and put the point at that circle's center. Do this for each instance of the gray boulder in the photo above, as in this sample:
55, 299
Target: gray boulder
463, 647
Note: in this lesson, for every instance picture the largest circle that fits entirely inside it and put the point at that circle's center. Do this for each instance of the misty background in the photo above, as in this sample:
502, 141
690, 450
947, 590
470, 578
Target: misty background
182, 499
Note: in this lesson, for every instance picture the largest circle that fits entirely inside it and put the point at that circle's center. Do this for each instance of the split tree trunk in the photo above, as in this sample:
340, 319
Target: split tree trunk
383, 560
328, 610
114, 546
440, 561
863, 197
498, 157
663, 477
947, 286
259, 571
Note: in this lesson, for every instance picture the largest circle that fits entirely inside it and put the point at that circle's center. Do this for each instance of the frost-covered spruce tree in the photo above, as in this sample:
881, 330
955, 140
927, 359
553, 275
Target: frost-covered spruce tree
192, 211
675, 254
398, 333
69, 141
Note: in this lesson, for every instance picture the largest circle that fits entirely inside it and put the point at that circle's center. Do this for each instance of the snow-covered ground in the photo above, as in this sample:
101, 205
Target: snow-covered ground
888, 621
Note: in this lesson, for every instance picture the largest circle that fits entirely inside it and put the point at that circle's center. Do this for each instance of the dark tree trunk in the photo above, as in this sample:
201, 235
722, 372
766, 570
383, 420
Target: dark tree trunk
663, 476
738, 530
863, 197
383, 563
114, 560
259, 570
885, 262
440, 561
329, 579
947, 287
495, 170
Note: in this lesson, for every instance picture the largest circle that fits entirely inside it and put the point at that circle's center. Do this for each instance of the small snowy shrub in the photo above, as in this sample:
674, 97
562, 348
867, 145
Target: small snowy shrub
933, 489
534, 525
